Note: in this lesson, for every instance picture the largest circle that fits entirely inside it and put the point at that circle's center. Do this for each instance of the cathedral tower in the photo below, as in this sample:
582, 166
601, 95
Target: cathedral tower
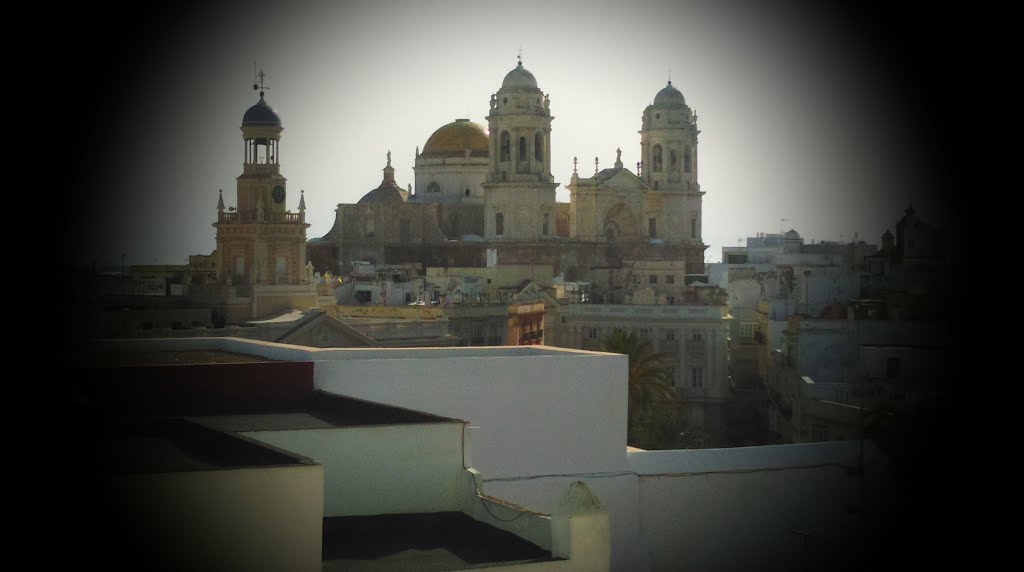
668, 148
519, 192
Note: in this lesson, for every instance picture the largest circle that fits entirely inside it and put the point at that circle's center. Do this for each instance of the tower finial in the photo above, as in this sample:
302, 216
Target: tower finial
574, 164
302, 201
670, 76
519, 54
220, 201
257, 84
595, 165
618, 158
389, 157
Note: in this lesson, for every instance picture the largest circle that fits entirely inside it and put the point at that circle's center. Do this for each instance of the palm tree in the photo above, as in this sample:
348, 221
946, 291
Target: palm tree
653, 406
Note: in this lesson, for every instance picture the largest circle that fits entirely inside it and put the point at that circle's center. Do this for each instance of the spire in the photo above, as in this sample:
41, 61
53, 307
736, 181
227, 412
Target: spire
389, 171
220, 201
618, 158
302, 201
595, 165
574, 165
910, 208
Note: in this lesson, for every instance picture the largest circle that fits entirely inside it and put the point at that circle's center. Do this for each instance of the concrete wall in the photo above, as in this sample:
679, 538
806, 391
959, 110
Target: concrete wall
387, 469
529, 414
267, 518
752, 507
618, 492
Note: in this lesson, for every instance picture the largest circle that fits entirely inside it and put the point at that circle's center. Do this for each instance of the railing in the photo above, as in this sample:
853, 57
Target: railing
253, 217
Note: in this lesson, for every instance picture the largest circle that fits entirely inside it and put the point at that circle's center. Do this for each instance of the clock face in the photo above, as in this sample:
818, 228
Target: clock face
278, 194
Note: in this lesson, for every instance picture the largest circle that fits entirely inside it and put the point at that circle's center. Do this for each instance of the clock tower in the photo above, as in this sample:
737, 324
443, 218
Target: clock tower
261, 242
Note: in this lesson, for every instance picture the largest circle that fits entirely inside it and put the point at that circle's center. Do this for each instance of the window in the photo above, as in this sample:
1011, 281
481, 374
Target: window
670, 335
522, 149
671, 375
652, 279
505, 146
499, 224
636, 279
693, 228
538, 147
544, 226
819, 433
657, 158
892, 368
687, 161
697, 377
671, 300
282, 268
592, 333
405, 230
369, 227
672, 160
670, 279
433, 187
652, 227
696, 336
643, 333
747, 329
467, 192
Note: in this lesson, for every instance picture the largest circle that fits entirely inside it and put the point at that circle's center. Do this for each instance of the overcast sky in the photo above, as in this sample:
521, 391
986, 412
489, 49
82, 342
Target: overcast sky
803, 115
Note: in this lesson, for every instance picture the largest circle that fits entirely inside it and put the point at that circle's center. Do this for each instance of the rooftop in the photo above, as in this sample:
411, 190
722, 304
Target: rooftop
429, 541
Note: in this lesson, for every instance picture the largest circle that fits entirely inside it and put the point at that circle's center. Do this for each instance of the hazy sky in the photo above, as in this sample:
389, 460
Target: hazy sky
802, 114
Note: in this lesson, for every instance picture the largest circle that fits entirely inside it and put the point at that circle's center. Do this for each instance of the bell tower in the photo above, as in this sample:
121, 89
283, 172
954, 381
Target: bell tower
668, 149
261, 188
519, 192
261, 242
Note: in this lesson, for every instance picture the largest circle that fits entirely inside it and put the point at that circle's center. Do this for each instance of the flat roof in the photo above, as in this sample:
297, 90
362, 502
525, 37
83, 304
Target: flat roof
324, 411
147, 446
163, 357
427, 541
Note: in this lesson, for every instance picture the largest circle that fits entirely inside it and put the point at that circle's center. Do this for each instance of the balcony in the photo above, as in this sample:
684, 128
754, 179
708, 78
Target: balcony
252, 217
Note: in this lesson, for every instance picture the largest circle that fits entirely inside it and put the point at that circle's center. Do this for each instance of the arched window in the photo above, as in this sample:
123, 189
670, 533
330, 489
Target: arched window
499, 224
656, 159
538, 147
433, 187
687, 161
672, 160
506, 148
522, 149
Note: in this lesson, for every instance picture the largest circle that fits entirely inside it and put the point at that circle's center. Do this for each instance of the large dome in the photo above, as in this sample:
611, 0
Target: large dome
453, 139
519, 77
669, 95
386, 193
261, 115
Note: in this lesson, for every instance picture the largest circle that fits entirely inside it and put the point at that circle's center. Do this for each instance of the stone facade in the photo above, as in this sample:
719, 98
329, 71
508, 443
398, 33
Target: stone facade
478, 190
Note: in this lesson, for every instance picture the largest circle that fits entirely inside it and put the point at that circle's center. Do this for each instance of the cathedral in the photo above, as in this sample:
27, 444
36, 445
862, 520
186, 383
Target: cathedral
480, 189
480, 235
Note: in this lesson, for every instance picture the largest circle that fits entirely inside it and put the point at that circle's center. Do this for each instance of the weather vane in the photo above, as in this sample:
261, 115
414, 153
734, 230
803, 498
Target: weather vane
258, 80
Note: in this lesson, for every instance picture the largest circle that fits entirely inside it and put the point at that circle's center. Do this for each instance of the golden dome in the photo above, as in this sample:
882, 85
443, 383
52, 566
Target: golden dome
453, 139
